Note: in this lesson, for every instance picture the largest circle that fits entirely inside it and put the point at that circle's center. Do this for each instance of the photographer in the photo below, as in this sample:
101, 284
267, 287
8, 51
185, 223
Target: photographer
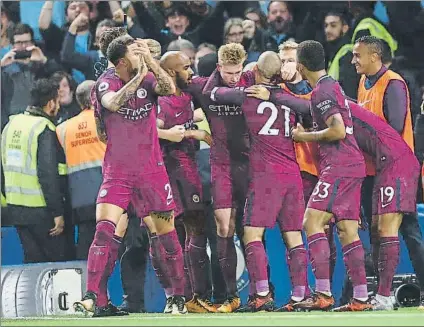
20, 67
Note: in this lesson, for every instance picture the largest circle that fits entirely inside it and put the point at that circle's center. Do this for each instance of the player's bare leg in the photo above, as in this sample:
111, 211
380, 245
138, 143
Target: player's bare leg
227, 256
319, 254
298, 267
353, 256
194, 223
162, 223
257, 262
387, 226
101, 261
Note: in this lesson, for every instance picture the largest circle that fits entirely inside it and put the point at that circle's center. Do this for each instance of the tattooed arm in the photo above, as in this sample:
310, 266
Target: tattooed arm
114, 100
100, 132
165, 85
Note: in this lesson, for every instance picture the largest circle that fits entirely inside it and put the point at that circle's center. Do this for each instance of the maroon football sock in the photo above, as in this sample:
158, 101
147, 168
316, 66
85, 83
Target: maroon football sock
188, 277
319, 254
387, 263
98, 264
333, 251
227, 258
198, 266
298, 268
353, 256
174, 261
157, 254
257, 263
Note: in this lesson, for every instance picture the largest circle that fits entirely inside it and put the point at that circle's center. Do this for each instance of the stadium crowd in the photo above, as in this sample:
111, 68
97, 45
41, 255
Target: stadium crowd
59, 97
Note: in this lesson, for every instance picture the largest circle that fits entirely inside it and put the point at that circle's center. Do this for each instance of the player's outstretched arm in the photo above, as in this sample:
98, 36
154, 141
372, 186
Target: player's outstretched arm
114, 100
335, 131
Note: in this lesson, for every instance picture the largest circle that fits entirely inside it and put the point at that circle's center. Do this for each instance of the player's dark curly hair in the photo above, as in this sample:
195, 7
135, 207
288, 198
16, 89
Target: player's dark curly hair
373, 43
118, 48
109, 35
43, 91
311, 55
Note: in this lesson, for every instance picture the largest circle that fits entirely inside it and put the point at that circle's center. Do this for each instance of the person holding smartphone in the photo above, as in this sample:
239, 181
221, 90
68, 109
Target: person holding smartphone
20, 67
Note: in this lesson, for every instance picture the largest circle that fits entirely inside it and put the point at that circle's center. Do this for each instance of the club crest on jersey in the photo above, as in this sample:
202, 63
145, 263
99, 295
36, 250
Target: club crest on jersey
141, 93
103, 193
196, 198
103, 86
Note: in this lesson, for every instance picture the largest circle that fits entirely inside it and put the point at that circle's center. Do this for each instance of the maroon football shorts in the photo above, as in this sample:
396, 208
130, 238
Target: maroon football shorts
275, 197
395, 187
340, 196
147, 192
229, 184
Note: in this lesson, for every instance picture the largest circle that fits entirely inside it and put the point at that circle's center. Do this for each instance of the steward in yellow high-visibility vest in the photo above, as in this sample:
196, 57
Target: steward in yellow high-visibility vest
84, 154
32, 162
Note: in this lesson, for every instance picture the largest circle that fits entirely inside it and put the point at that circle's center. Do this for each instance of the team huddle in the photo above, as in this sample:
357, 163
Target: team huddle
278, 154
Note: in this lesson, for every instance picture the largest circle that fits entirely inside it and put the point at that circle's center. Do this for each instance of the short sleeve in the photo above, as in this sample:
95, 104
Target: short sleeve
162, 109
149, 83
104, 86
325, 104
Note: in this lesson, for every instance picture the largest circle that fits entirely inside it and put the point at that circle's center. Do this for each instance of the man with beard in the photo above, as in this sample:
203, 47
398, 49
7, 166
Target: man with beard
338, 50
127, 95
176, 113
281, 26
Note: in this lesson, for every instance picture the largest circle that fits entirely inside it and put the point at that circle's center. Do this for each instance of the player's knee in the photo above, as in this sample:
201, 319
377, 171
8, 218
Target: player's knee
347, 231
252, 234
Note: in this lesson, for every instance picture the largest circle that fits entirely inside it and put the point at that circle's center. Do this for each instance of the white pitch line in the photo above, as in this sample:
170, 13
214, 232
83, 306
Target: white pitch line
237, 316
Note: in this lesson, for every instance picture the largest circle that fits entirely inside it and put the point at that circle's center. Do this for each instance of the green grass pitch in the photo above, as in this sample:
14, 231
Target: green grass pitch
402, 317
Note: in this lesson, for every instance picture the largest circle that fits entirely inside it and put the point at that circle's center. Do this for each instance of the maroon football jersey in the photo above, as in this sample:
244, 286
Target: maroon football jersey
178, 110
227, 123
340, 158
132, 139
269, 125
377, 138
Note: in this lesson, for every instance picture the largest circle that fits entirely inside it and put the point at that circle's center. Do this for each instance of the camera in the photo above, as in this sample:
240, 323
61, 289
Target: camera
24, 54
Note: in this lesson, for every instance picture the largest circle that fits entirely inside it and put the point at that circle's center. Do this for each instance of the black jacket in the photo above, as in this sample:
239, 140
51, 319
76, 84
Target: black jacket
49, 155
209, 30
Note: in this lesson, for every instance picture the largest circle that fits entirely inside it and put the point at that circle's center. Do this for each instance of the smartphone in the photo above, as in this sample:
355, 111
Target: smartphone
24, 54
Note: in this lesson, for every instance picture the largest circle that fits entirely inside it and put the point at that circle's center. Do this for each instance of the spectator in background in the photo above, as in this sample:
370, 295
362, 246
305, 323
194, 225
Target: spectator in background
398, 65
83, 62
281, 26
84, 154
233, 31
177, 20
338, 51
7, 26
30, 140
203, 50
245, 32
256, 16
68, 103
53, 35
365, 24
185, 46
20, 67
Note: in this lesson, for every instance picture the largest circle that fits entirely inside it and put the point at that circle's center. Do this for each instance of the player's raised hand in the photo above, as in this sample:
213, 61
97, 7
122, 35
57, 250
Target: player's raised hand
176, 133
259, 92
144, 48
288, 71
297, 133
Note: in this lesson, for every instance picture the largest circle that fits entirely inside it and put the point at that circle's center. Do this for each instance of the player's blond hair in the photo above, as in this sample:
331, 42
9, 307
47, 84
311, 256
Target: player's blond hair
288, 45
231, 54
